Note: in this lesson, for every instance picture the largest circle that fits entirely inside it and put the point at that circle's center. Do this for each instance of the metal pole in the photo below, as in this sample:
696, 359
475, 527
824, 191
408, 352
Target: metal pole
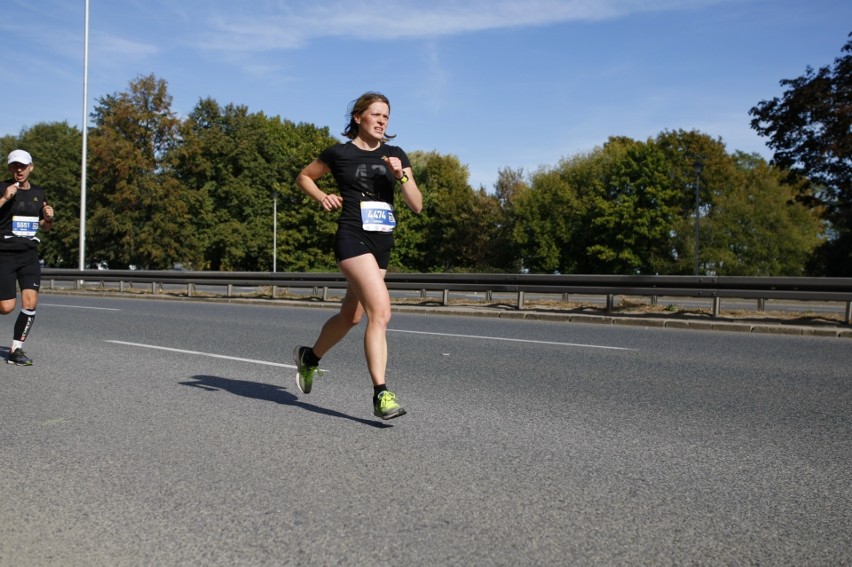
698, 166
85, 140
275, 231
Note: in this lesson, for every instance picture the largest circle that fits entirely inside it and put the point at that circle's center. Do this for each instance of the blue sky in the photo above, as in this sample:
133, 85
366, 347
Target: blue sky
518, 84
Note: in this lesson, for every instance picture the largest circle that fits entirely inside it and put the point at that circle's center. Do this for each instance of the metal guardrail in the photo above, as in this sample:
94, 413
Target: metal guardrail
715, 287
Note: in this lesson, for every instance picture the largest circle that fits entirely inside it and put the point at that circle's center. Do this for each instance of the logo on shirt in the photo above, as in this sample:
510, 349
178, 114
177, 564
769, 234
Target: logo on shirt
364, 179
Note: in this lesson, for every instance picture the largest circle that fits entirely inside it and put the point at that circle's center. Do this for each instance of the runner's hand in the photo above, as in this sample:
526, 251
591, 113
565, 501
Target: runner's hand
48, 212
395, 164
11, 190
331, 202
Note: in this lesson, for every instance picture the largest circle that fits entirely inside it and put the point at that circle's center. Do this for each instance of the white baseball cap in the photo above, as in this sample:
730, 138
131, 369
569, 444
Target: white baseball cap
20, 156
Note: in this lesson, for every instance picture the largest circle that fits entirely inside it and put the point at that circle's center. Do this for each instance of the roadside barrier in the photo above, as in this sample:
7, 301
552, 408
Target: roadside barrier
608, 286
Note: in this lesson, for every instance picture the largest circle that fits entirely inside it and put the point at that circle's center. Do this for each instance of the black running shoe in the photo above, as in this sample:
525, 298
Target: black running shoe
20, 358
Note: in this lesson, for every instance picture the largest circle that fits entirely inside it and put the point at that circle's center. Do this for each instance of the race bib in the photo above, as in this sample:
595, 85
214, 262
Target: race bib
377, 216
24, 226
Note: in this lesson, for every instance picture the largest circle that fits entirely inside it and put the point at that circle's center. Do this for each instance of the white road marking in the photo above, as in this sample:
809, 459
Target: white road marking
41, 303
512, 340
209, 354
277, 364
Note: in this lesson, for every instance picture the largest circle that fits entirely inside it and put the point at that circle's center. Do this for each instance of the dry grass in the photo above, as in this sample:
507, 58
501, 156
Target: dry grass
631, 307
622, 306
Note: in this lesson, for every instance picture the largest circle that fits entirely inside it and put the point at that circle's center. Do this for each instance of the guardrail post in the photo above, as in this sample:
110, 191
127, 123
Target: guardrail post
153, 287
422, 294
654, 300
325, 294
849, 312
717, 306
274, 291
189, 288
230, 290
610, 303
520, 300
761, 304
446, 298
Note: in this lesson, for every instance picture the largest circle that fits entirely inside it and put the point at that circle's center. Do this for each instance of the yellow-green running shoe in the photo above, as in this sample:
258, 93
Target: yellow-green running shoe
386, 407
304, 373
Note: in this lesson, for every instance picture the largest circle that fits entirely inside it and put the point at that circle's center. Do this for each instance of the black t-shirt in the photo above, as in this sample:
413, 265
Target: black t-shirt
19, 218
361, 175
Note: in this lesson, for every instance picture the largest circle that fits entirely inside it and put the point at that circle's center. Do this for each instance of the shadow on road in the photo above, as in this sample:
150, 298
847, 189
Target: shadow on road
269, 393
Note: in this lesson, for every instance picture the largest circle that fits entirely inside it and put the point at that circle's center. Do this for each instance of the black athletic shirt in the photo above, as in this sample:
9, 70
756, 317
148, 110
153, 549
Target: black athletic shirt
361, 175
25, 208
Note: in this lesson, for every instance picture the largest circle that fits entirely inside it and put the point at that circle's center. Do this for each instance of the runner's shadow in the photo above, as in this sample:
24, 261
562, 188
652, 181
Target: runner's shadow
268, 393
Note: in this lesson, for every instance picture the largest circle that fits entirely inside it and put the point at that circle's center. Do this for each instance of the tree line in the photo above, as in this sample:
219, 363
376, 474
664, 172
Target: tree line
199, 192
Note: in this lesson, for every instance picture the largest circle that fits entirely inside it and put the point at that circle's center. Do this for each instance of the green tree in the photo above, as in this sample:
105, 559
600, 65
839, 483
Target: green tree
308, 230
810, 130
491, 235
741, 207
411, 251
8, 143
757, 228
546, 219
440, 238
238, 161
500, 248
609, 211
631, 211
629, 208
694, 162
140, 214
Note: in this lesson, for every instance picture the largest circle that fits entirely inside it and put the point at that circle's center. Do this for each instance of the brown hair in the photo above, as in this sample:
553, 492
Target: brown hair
359, 106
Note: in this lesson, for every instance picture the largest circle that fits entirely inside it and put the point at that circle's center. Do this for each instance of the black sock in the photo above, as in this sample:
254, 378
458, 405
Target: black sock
310, 358
378, 390
23, 324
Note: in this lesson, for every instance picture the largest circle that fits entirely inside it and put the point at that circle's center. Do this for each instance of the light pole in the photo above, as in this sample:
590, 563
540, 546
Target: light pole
698, 166
85, 129
274, 227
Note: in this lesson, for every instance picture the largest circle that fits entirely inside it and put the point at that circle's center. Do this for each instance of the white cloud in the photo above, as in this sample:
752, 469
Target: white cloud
288, 25
432, 88
114, 48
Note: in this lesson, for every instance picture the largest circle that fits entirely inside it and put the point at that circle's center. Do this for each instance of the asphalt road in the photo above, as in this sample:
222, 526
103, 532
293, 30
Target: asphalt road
172, 433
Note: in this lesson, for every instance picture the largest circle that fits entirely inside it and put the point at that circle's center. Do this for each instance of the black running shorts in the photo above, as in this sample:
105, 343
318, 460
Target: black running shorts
350, 243
19, 267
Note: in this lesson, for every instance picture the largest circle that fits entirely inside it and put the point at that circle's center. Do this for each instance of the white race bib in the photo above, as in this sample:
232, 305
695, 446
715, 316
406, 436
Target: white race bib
24, 226
377, 216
